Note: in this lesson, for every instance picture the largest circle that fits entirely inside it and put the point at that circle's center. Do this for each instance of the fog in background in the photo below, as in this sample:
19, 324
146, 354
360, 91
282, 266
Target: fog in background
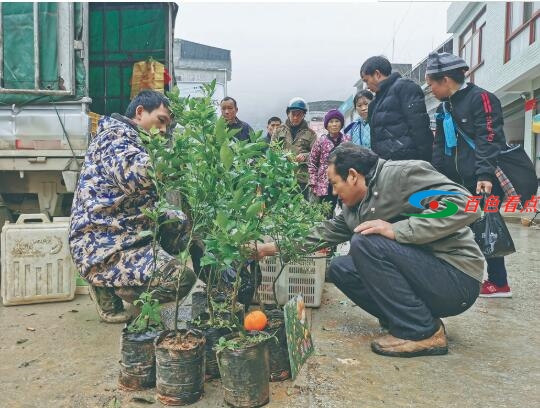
312, 50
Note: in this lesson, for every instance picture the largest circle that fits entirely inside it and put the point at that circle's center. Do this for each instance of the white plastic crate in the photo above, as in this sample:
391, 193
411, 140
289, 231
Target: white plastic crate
343, 249
36, 263
305, 276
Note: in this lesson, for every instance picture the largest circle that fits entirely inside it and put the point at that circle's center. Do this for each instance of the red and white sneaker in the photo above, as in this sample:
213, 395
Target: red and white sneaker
490, 290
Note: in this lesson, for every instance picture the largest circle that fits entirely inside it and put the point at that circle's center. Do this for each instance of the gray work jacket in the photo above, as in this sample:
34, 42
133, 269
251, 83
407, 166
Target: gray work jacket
389, 189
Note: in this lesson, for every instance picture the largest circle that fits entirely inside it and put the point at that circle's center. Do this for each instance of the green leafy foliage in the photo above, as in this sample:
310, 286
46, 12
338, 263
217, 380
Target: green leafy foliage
234, 192
241, 341
149, 319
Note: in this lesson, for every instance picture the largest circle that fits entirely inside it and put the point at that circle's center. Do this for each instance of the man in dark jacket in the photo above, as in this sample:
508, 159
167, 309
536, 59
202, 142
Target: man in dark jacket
229, 110
273, 123
397, 116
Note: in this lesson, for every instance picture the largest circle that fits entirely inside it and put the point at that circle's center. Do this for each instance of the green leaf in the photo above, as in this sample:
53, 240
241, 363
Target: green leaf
222, 220
254, 209
221, 130
226, 156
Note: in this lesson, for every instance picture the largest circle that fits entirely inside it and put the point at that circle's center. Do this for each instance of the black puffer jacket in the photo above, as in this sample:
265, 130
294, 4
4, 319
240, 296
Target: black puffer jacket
478, 114
399, 122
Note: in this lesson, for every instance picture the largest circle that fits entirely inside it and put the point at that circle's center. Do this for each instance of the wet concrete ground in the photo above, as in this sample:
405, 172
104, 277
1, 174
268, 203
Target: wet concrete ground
60, 355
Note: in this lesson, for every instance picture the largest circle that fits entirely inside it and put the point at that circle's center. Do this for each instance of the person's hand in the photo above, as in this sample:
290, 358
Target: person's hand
376, 227
484, 187
300, 157
262, 250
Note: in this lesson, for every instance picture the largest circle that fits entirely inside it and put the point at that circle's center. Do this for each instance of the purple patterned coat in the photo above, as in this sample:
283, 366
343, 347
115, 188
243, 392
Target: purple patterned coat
318, 163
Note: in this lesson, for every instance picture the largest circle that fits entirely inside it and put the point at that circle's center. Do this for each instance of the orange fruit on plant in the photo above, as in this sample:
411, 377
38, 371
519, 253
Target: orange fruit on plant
255, 320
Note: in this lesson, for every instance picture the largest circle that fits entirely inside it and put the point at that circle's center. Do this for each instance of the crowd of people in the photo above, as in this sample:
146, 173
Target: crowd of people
406, 270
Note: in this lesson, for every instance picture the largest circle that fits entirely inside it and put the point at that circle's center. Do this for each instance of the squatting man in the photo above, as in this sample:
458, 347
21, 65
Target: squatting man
407, 271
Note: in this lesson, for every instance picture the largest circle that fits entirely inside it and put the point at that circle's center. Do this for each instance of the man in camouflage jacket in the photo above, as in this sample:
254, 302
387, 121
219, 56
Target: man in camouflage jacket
107, 214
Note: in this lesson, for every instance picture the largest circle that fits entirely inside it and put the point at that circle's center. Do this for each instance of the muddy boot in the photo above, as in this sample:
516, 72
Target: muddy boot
109, 306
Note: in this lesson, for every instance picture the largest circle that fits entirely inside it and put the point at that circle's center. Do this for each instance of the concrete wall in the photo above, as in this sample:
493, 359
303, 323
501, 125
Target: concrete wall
198, 75
454, 14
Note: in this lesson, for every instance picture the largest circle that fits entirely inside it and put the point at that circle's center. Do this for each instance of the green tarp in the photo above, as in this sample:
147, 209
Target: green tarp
18, 50
120, 34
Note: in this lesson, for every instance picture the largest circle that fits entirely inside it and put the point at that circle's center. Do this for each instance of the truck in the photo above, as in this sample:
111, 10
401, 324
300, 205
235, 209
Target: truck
62, 65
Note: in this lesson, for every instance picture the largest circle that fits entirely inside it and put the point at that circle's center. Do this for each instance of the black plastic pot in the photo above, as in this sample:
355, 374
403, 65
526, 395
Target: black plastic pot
212, 335
245, 375
138, 361
240, 314
179, 367
280, 368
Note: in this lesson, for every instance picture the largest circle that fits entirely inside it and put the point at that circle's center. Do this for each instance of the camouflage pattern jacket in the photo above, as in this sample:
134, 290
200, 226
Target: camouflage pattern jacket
112, 192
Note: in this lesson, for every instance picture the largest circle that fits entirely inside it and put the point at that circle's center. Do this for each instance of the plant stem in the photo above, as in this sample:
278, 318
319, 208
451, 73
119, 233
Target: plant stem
236, 287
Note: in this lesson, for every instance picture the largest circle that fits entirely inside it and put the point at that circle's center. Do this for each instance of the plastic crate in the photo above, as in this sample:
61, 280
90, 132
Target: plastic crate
36, 262
305, 276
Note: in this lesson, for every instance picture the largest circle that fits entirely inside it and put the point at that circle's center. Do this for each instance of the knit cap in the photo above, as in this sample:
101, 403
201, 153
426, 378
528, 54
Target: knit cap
333, 114
443, 62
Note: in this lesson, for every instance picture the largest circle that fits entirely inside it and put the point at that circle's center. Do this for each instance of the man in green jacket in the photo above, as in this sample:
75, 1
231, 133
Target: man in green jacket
298, 138
413, 258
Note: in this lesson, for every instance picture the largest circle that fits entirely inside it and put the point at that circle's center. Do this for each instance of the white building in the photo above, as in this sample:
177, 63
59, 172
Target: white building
501, 44
196, 64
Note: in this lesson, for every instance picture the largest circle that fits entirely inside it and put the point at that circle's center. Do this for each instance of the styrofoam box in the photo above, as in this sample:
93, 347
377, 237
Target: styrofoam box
36, 262
305, 276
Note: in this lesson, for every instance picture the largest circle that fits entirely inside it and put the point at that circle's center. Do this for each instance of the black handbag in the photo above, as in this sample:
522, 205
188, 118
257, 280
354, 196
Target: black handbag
492, 235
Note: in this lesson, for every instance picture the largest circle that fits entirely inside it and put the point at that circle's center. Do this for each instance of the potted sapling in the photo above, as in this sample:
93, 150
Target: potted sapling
138, 362
287, 219
180, 353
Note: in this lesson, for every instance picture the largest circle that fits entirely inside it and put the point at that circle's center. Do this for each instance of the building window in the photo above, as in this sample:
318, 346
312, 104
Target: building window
470, 44
522, 27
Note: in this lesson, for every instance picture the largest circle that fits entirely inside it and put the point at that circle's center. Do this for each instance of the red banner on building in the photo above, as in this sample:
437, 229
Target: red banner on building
530, 104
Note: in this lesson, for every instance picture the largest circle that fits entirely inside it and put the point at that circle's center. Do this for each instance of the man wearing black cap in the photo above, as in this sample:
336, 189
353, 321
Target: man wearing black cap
397, 116
468, 140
